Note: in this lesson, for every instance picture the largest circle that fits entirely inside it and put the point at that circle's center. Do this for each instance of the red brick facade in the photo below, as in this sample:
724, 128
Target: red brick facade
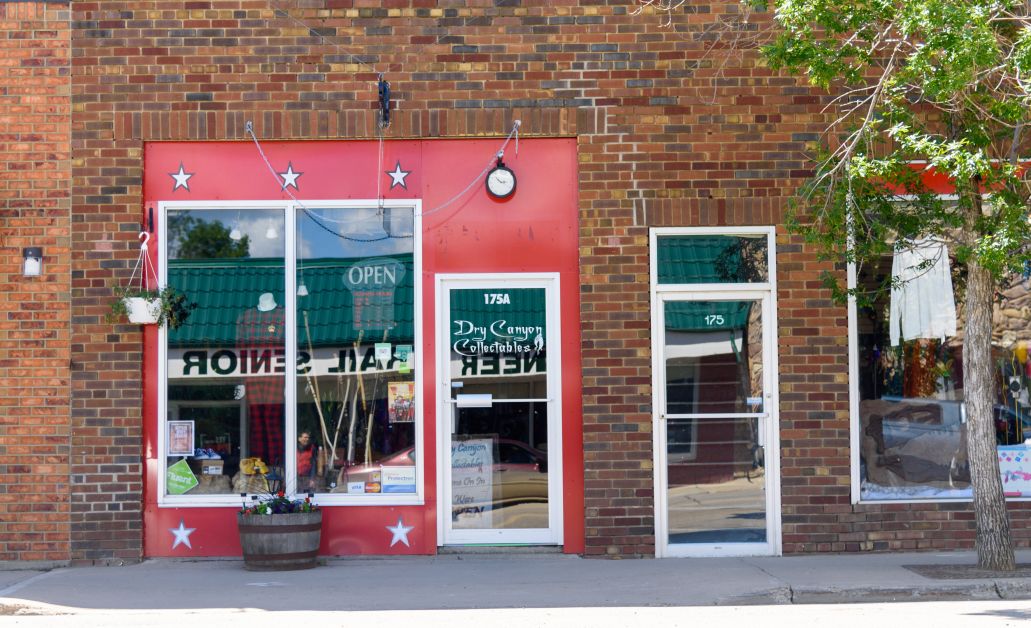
670, 131
35, 347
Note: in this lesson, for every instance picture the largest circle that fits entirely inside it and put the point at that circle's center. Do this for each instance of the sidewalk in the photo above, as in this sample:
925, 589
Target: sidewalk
485, 581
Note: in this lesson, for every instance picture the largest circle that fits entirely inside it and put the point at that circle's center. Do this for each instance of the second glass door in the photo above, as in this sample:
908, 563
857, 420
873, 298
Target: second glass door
716, 415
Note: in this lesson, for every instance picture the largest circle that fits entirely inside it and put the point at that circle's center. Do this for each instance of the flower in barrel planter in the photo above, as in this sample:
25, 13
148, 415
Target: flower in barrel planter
279, 533
278, 504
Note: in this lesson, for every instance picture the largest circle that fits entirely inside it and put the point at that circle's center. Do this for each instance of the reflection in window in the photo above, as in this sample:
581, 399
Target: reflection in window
227, 368
693, 259
226, 365
911, 418
712, 353
713, 356
356, 352
499, 451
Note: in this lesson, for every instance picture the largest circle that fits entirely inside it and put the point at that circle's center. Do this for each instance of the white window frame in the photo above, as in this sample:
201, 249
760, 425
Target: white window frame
554, 534
663, 549
290, 210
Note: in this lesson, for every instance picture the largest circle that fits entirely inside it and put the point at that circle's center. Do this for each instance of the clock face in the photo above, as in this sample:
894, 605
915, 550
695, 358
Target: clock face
501, 182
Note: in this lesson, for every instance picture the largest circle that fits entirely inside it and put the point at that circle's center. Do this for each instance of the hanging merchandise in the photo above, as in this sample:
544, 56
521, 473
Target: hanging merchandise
922, 301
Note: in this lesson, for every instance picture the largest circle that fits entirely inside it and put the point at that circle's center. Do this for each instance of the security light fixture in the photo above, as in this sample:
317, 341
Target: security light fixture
32, 261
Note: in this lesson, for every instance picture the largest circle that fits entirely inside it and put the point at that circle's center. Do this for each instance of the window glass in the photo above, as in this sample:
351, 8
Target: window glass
691, 259
713, 356
356, 351
499, 461
226, 427
910, 347
227, 364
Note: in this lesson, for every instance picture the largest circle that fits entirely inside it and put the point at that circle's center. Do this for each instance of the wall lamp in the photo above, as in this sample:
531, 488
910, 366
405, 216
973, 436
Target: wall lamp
32, 261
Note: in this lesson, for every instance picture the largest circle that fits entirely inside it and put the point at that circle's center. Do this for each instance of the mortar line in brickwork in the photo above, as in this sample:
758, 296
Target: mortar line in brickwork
281, 12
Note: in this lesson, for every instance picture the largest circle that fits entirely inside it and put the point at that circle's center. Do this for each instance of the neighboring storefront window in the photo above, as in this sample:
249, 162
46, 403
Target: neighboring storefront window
910, 352
231, 426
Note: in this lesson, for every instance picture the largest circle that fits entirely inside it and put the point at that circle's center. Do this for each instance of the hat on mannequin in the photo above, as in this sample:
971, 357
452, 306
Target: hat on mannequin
266, 302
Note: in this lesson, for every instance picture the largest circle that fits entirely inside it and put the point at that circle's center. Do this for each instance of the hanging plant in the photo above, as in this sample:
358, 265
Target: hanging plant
143, 305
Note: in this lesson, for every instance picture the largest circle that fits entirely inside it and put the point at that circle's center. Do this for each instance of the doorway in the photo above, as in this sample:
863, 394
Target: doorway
715, 398
499, 409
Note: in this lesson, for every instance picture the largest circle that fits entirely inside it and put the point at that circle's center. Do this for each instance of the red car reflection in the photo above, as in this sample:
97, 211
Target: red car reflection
520, 473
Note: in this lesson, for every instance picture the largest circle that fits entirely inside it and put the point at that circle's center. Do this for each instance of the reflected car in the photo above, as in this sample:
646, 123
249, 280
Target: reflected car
519, 475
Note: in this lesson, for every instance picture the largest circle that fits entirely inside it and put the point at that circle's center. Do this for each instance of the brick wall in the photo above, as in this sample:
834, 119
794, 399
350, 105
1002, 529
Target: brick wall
35, 203
672, 131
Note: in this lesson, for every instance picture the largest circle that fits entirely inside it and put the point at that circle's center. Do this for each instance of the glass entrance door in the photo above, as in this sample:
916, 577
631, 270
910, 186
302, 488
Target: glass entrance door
499, 357
715, 423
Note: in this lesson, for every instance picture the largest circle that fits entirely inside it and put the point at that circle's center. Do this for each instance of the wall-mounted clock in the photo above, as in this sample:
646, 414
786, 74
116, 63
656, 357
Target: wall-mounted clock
501, 181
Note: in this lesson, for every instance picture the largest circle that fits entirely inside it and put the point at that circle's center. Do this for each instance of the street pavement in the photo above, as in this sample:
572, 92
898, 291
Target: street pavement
499, 581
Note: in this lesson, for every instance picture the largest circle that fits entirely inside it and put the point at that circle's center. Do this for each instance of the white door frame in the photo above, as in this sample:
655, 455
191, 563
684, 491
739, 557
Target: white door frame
767, 295
553, 534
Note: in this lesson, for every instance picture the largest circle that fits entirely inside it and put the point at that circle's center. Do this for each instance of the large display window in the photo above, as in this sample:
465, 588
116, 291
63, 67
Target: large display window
297, 369
907, 343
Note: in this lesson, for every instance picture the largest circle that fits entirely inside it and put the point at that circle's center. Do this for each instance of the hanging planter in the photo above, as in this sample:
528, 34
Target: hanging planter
142, 305
142, 311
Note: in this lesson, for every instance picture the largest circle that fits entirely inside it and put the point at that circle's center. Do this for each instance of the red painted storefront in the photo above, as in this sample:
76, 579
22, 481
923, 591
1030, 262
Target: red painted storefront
535, 230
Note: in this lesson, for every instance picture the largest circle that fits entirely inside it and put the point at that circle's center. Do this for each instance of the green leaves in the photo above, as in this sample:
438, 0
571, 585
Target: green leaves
936, 84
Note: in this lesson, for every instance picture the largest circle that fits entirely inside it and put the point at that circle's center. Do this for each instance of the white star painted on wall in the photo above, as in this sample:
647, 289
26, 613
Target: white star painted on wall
182, 535
400, 532
290, 177
397, 177
182, 178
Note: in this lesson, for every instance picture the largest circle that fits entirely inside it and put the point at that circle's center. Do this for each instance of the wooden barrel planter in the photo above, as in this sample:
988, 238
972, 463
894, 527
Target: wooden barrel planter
280, 542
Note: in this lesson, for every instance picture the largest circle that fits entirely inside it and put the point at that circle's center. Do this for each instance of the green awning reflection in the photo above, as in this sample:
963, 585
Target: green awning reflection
225, 288
707, 315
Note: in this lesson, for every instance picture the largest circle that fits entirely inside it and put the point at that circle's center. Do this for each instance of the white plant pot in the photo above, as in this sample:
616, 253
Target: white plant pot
143, 311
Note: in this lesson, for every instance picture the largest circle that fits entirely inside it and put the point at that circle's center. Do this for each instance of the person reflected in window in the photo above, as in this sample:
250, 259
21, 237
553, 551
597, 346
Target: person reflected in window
309, 463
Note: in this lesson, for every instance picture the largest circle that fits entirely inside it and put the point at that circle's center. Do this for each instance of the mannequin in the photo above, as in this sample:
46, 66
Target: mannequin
259, 330
266, 302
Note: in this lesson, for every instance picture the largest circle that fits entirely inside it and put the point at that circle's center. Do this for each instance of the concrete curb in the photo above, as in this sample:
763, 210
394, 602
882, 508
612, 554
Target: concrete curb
1014, 589
10, 607
779, 596
32, 565
776, 595
939, 593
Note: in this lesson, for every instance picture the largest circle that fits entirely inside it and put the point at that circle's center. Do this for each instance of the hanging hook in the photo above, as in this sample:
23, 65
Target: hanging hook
146, 238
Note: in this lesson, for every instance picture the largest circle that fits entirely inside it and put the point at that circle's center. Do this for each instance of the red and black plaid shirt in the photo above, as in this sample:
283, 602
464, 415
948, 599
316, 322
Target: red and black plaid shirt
263, 331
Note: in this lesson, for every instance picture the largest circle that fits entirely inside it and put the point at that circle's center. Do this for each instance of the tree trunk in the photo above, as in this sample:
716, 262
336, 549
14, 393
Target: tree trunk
994, 546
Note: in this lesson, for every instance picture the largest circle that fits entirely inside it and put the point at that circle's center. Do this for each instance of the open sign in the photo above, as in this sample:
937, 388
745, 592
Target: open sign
374, 274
